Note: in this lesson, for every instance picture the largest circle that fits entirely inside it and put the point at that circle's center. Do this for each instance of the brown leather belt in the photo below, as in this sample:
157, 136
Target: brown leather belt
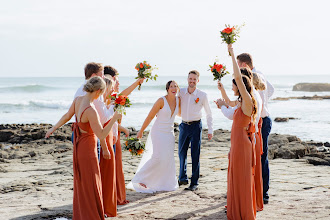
191, 122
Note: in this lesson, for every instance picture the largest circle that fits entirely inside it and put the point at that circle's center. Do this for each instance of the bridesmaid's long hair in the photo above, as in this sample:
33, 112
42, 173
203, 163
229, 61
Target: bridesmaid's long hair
248, 85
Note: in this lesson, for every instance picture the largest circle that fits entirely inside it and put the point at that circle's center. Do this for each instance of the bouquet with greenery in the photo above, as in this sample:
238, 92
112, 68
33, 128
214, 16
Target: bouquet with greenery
230, 34
218, 70
144, 71
135, 146
120, 102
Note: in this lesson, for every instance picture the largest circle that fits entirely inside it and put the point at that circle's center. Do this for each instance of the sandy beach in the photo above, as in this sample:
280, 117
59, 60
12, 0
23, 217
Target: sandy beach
36, 179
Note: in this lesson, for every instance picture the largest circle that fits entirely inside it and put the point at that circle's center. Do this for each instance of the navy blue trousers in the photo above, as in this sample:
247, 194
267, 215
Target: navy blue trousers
190, 135
265, 130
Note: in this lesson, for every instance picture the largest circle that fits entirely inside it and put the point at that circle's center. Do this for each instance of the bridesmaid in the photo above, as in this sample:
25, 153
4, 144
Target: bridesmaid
228, 111
108, 167
241, 200
87, 186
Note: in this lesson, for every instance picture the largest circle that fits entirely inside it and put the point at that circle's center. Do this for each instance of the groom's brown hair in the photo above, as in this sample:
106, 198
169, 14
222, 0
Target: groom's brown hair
194, 72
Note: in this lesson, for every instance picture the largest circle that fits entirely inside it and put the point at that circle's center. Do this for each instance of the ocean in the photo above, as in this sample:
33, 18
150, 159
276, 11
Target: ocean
46, 99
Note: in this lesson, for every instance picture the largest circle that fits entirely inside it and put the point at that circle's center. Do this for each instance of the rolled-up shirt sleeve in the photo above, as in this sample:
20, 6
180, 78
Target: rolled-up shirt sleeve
208, 112
228, 112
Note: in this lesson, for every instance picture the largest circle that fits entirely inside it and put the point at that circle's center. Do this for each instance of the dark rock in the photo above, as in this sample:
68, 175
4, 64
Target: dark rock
327, 144
32, 154
312, 87
281, 119
317, 161
6, 135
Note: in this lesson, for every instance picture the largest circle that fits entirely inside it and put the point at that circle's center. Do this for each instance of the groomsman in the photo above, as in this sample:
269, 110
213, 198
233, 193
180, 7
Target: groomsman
245, 60
192, 102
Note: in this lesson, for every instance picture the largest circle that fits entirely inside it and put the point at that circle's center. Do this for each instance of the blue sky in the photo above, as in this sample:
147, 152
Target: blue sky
57, 38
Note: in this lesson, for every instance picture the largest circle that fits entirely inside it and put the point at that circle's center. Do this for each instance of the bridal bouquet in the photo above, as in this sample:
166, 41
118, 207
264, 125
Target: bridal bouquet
135, 146
218, 70
229, 35
144, 71
120, 102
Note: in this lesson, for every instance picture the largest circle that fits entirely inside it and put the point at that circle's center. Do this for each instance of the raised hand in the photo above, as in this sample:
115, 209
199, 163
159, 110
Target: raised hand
117, 116
220, 86
230, 49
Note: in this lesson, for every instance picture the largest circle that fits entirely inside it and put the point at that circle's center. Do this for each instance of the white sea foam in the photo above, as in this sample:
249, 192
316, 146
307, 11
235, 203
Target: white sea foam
53, 97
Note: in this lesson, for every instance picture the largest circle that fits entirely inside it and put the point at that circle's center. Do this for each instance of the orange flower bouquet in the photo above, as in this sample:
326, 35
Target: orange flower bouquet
144, 71
230, 34
134, 146
120, 102
218, 70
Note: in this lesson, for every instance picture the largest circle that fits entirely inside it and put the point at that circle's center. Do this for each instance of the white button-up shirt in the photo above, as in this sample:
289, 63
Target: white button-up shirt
99, 104
265, 94
191, 107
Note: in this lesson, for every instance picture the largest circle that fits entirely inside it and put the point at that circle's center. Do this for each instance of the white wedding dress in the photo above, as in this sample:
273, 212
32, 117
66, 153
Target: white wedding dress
157, 166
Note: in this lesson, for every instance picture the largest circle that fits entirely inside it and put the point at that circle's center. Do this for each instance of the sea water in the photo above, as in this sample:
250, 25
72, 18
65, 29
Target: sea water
46, 99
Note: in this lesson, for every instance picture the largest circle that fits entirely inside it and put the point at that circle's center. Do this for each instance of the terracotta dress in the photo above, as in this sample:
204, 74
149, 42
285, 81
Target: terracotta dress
108, 176
120, 180
87, 186
241, 199
258, 169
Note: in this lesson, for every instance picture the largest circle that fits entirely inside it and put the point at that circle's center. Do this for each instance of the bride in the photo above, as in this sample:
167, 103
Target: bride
156, 171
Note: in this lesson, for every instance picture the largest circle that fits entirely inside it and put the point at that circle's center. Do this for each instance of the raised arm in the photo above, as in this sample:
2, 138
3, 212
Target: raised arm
159, 104
247, 99
95, 123
225, 96
64, 119
130, 89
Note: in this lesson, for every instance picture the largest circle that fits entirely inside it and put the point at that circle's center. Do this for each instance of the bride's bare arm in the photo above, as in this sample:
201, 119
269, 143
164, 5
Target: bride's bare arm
159, 104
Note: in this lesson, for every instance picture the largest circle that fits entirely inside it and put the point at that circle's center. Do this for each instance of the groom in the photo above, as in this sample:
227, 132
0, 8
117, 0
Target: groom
192, 102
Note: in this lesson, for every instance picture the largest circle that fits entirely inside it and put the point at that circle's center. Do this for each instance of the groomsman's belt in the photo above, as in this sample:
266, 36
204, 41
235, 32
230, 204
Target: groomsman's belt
191, 122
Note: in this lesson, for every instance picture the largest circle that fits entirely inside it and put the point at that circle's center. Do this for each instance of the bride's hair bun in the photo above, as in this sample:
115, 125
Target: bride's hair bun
93, 84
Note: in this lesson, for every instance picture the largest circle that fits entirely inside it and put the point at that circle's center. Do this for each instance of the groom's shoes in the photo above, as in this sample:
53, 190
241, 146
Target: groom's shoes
183, 182
192, 188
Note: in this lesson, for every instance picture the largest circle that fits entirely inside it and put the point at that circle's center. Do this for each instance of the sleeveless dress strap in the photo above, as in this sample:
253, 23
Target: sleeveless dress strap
83, 112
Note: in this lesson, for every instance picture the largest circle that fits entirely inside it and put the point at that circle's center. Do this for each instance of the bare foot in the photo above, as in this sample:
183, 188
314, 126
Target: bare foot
143, 185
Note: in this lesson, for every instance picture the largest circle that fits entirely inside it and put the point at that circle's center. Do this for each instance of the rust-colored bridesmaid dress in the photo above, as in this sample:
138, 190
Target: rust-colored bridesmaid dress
258, 169
120, 179
87, 186
108, 176
241, 199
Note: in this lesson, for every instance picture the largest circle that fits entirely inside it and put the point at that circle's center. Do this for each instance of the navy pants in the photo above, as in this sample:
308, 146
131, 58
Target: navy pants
190, 135
265, 130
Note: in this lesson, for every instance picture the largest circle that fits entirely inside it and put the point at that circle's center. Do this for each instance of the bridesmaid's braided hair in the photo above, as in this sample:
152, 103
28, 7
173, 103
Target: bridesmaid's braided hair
248, 85
94, 84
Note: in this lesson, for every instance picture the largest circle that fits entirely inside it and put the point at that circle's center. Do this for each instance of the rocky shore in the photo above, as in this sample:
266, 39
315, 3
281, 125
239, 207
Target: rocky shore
36, 178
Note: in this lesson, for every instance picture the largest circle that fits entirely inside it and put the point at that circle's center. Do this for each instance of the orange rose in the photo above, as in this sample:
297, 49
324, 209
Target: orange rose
123, 101
126, 143
197, 100
130, 150
227, 30
140, 151
141, 65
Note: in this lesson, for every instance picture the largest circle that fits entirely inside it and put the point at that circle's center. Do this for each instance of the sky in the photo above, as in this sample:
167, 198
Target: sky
57, 38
